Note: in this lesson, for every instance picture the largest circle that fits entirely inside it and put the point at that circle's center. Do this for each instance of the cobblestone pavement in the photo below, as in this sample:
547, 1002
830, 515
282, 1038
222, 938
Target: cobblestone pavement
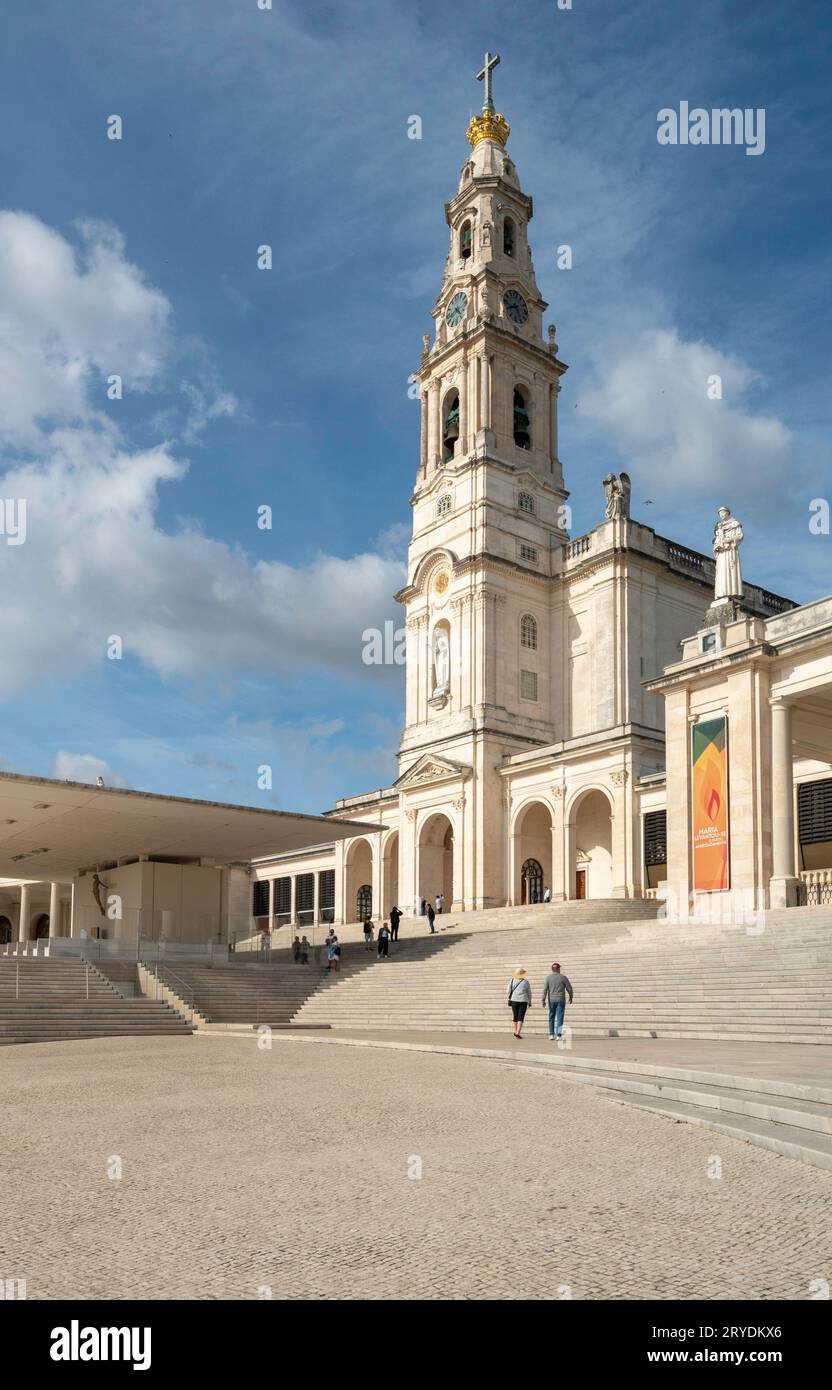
246, 1170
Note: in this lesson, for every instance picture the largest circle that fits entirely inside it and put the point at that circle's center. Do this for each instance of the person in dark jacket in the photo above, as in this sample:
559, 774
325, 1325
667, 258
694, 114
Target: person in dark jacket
431, 917
555, 990
383, 940
395, 918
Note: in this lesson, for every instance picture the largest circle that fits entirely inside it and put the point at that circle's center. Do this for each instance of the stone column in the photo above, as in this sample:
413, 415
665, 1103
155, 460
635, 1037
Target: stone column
462, 443
316, 897
485, 392
293, 914
423, 436
54, 909
433, 427
271, 903
783, 884
23, 928
560, 888
621, 840
473, 414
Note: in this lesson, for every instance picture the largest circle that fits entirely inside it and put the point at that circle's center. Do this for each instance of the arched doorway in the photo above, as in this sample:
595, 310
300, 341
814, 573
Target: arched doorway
359, 879
436, 860
532, 852
531, 877
590, 856
5, 931
390, 875
41, 926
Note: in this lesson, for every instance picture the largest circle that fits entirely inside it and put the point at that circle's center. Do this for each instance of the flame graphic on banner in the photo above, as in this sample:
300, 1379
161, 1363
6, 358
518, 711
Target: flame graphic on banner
709, 767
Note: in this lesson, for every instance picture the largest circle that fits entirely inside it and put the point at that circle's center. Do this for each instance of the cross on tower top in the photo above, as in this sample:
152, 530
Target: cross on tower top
491, 61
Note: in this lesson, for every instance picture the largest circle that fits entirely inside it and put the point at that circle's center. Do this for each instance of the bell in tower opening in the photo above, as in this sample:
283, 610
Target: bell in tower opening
450, 432
522, 431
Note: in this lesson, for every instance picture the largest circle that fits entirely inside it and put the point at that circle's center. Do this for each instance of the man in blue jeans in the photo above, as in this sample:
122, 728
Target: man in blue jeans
555, 990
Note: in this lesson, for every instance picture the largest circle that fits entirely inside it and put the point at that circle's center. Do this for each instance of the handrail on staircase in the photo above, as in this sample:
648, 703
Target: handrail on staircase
185, 992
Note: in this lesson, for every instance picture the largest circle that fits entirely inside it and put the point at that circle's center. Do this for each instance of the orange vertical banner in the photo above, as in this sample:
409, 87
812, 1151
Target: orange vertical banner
709, 768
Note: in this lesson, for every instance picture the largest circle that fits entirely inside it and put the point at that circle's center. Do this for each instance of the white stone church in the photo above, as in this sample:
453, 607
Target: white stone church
607, 716
532, 759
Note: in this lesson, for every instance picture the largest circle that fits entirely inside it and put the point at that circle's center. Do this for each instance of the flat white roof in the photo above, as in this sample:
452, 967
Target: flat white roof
53, 830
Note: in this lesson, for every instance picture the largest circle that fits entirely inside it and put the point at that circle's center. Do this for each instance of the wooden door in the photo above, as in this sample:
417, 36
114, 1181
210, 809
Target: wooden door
580, 883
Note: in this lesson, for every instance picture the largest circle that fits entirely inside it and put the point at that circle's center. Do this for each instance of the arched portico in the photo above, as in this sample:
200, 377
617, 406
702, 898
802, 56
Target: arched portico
389, 874
358, 877
435, 869
589, 837
531, 852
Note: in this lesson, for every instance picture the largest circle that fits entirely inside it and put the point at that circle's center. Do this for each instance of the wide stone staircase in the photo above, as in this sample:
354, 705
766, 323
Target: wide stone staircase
237, 994
633, 977
46, 999
245, 995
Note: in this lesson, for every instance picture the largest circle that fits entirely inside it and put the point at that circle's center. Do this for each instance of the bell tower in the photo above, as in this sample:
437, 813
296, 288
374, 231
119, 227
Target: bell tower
488, 514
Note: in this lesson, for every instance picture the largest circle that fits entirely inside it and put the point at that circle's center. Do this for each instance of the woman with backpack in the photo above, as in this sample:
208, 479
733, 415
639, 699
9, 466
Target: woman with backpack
519, 998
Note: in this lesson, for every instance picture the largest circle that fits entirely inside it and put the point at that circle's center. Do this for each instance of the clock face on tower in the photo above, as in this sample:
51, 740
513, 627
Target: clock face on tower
456, 309
515, 306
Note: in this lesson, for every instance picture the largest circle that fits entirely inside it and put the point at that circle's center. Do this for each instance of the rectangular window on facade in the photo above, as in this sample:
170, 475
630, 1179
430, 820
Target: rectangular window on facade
282, 896
326, 895
305, 892
326, 888
260, 898
814, 820
528, 685
528, 553
655, 847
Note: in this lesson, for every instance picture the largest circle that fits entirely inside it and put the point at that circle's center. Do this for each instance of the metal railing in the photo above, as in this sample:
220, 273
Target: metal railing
181, 989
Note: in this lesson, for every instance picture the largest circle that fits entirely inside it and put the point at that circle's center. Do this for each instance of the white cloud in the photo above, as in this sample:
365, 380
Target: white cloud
651, 394
68, 321
84, 767
96, 562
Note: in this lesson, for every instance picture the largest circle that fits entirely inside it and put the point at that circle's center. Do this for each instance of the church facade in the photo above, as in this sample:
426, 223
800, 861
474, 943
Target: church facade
533, 755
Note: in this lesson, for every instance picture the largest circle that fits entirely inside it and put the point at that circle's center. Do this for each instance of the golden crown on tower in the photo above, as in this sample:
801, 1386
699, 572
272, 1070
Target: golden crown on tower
491, 125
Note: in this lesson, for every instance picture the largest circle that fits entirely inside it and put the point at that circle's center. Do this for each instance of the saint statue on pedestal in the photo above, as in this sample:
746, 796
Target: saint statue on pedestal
727, 537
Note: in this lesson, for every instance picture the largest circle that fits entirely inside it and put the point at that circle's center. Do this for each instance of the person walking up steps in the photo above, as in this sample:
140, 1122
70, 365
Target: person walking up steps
368, 933
519, 998
431, 917
555, 990
383, 940
395, 918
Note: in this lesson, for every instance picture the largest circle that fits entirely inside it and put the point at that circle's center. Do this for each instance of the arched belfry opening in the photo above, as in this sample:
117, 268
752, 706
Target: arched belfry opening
521, 420
450, 426
465, 241
509, 239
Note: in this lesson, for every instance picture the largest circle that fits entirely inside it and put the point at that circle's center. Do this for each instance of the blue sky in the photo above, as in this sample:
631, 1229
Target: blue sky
288, 388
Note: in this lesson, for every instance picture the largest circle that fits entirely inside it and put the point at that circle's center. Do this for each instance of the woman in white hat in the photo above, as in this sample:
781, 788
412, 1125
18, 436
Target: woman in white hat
519, 998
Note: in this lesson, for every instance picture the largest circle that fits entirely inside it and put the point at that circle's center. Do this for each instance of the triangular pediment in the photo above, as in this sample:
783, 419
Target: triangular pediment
431, 768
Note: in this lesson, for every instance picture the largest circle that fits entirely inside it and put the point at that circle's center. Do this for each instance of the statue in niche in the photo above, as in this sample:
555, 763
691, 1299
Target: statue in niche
617, 494
728, 535
441, 661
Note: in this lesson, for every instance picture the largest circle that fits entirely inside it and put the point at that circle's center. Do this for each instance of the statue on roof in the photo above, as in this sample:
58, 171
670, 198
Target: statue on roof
728, 535
617, 494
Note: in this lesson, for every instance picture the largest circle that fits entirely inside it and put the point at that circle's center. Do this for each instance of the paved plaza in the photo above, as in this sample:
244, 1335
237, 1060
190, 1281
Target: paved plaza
247, 1171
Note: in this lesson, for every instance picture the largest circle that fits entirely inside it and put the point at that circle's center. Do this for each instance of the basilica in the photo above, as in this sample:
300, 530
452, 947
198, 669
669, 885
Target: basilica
533, 758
